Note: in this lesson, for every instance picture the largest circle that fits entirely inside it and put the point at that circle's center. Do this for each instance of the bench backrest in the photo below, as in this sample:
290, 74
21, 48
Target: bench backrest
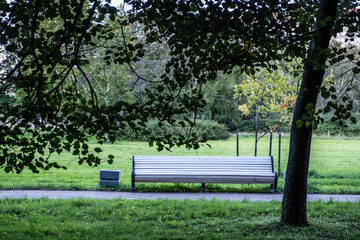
168, 164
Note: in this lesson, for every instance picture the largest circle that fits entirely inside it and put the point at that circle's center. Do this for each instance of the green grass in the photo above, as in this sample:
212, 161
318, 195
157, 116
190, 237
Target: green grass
334, 167
170, 219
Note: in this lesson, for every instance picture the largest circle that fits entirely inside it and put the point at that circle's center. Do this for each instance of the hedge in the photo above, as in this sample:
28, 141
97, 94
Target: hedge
204, 129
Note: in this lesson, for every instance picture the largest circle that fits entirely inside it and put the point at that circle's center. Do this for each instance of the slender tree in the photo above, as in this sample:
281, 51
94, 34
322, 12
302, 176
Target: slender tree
295, 193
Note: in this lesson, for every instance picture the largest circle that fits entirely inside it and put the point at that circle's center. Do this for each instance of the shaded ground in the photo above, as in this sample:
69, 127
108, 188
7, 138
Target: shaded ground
253, 197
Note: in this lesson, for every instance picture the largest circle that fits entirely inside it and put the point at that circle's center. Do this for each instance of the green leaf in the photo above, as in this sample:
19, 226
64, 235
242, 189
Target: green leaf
356, 70
196, 146
327, 109
143, 124
353, 120
97, 149
325, 94
322, 23
328, 18
182, 124
160, 88
299, 123
252, 71
351, 57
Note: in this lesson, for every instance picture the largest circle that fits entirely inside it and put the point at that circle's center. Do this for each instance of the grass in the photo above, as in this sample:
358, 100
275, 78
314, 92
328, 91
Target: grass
334, 167
170, 219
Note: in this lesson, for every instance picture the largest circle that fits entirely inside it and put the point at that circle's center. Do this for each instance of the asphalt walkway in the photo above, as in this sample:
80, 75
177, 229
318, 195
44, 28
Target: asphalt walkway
263, 197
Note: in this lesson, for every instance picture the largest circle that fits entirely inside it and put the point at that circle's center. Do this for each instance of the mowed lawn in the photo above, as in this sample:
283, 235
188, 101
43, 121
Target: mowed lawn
334, 166
170, 219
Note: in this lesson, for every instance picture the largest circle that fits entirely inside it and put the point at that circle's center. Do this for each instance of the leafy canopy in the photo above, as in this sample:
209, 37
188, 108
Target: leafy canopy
45, 57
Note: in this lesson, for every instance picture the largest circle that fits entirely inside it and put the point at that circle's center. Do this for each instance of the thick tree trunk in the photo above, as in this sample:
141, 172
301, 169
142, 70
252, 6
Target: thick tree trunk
295, 193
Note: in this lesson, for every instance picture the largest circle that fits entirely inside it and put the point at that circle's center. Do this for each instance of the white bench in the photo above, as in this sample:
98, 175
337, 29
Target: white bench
203, 169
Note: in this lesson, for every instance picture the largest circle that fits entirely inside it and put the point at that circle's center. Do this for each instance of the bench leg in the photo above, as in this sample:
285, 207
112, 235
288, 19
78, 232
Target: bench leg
132, 181
275, 187
203, 187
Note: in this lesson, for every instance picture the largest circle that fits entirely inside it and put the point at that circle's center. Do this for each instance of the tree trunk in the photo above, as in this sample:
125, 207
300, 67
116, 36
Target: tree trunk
295, 193
212, 115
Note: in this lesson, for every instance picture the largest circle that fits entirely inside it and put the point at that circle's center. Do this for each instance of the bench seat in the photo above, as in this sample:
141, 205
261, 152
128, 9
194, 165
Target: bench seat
203, 169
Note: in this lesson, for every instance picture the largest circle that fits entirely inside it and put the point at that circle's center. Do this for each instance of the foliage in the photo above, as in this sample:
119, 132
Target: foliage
109, 81
328, 127
47, 49
47, 52
340, 91
230, 123
203, 129
48, 41
264, 125
327, 155
210, 130
218, 94
45, 41
271, 91
169, 219
347, 128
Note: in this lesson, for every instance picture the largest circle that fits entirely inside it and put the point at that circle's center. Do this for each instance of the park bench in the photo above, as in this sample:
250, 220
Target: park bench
203, 169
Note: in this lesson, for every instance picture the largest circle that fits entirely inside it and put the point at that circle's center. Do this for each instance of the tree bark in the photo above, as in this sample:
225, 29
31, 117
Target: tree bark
295, 192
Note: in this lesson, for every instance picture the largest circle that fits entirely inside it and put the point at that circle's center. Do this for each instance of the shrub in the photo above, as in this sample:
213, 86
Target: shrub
204, 129
333, 128
231, 124
211, 130
264, 125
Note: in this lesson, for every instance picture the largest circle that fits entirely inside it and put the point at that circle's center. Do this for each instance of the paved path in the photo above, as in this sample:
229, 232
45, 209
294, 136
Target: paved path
263, 197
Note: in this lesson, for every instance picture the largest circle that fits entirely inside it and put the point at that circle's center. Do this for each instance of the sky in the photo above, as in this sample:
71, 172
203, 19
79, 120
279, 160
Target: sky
116, 3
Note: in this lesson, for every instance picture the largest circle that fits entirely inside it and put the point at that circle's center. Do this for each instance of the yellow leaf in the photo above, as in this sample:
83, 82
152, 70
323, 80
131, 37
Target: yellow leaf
244, 109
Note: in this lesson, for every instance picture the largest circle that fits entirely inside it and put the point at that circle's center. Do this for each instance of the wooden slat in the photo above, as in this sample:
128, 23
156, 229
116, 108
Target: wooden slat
206, 179
203, 169
201, 166
204, 157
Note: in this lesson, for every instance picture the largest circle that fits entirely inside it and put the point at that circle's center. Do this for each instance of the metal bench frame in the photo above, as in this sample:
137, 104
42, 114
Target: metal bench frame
203, 169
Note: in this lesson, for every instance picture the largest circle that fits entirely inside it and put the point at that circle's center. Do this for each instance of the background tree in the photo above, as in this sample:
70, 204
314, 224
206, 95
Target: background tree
268, 93
271, 91
220, 103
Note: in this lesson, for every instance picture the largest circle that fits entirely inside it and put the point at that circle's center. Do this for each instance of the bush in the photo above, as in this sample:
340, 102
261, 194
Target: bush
231, 124
327, 128
204, 129
211, 130
333, 128
264, 125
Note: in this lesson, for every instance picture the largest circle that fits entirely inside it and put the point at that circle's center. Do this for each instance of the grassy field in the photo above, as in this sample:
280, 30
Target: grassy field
334, 167
170, 219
